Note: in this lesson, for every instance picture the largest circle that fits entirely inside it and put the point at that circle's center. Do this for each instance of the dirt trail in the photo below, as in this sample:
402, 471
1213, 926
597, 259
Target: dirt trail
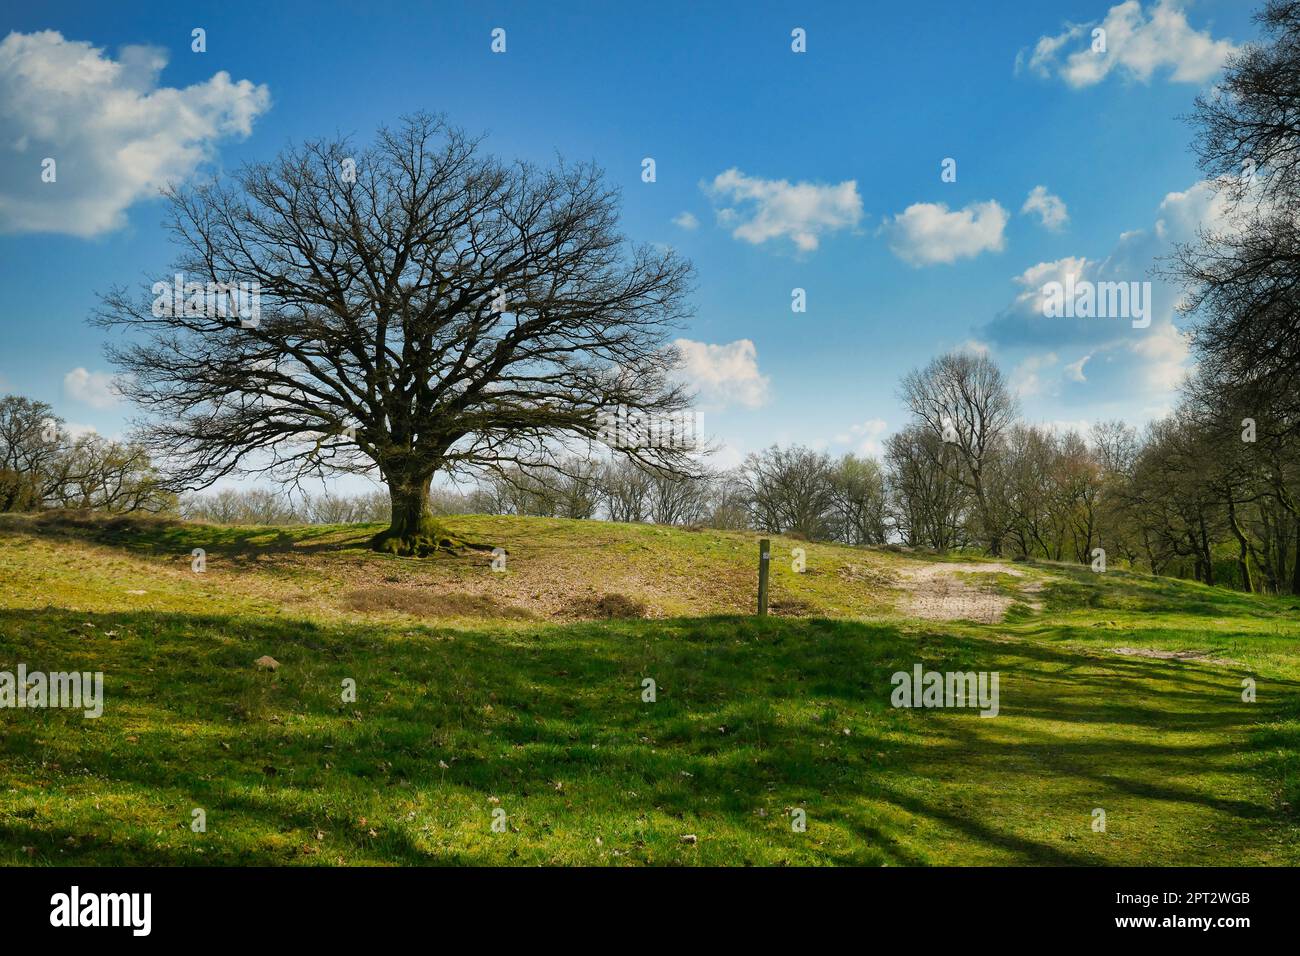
938, 592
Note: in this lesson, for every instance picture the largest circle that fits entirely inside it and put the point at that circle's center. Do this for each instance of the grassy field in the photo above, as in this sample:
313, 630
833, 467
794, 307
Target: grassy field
522, 692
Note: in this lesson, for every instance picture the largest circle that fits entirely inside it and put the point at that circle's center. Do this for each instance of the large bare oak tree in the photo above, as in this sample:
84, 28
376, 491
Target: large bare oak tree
421, 308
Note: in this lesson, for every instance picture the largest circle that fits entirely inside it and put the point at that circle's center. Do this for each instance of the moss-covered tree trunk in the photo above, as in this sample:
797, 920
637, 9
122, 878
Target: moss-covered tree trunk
413, 531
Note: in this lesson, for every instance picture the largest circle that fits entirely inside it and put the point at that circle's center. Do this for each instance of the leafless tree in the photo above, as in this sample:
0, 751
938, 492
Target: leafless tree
678, 499
728, 507
30, 442
422, 308
858, 501
625, 490
962, 399
928, 505
94, 473
1241, 274
789, 490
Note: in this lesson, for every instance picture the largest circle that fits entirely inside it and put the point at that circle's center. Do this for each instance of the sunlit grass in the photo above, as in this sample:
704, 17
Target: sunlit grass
545, 720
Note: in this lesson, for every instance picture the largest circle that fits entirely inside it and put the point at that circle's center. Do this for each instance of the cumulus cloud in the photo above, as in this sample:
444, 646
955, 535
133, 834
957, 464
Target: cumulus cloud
686, 220
1050, 209
926, 233
116, 136
763, 209
97, 389
866, 437
1108, 356
1165, 353
1025, 378
724, 374
1118, 356
1138, 43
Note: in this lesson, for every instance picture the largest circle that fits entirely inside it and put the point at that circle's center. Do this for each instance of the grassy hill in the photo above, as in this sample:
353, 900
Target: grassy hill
521, 691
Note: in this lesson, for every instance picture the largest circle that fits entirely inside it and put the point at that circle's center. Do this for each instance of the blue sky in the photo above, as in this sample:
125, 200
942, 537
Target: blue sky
818, 170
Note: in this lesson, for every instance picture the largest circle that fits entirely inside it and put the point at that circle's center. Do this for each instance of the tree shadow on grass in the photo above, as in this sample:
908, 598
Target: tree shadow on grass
154, 535
1076, 587
750, 715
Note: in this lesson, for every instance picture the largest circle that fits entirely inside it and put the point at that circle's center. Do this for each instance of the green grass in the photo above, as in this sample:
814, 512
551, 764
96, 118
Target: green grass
540, 713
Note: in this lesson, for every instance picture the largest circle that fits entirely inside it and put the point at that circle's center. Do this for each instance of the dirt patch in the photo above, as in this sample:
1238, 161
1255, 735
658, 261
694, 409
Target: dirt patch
939, 592
607, 607
791, 607
431, 604
864, 574
1200, 656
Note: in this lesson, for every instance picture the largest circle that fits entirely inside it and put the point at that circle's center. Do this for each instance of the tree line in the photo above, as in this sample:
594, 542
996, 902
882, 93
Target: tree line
45, 465
1208, 492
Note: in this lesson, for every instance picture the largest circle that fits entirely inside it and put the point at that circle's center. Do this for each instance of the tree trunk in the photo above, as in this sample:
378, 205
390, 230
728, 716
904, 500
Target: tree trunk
1243, 563
1205, 549
1295, 571
413, 531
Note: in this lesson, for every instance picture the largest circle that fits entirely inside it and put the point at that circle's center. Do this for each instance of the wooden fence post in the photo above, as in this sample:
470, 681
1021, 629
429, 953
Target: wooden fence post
764, 558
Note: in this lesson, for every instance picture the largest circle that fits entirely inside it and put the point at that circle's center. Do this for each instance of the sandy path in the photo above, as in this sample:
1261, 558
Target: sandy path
939, 593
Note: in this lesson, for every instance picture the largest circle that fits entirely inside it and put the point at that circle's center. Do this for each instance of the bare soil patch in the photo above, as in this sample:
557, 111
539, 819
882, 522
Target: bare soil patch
939, 592
608, 607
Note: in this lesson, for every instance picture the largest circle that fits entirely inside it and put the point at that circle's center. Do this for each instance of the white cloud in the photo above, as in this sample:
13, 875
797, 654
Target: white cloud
1033, 279
724, 374
865, 436
1182, 215
926, 233
728, 453
1137, 44
1025, 377
1050, 209
1165, 353
1134, 368
1065, 426
1045, 49
686, 221
775, 208
97, 389
116, 136
74, 430
1074, 370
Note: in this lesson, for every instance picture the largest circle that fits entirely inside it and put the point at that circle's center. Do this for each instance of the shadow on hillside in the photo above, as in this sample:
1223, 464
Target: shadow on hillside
153, 535
1124, 591
750, 715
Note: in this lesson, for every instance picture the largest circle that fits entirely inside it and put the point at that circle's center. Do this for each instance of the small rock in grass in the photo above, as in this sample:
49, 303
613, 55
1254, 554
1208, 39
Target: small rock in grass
267, 662
690, 838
